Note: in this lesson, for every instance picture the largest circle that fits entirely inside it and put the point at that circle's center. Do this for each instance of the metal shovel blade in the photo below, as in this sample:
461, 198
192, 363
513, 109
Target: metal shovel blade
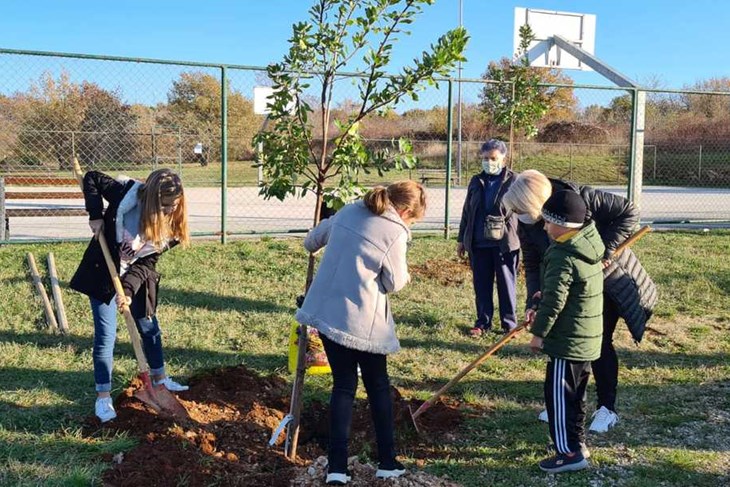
413, 419
161, 400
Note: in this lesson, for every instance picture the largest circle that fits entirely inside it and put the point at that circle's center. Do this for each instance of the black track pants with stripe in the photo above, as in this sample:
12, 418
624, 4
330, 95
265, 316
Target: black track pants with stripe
565, 398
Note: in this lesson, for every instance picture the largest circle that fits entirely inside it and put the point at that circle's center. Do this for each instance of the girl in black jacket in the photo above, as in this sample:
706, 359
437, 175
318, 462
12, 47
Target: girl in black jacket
142, 220
629, 293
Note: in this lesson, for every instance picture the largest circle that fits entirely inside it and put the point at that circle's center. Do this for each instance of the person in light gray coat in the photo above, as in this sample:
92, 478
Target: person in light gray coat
348, 303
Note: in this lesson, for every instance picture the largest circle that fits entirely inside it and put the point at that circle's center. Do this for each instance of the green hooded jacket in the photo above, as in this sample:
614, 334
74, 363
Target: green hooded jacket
570, 315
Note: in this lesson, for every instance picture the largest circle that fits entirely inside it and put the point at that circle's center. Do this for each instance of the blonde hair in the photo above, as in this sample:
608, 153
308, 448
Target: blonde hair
402, 195
164, 187
528, 193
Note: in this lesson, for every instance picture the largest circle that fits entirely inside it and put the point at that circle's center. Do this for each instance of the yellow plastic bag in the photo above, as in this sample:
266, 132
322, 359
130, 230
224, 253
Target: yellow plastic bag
316, 359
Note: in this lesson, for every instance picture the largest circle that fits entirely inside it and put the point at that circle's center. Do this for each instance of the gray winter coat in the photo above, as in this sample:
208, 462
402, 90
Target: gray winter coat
364, 260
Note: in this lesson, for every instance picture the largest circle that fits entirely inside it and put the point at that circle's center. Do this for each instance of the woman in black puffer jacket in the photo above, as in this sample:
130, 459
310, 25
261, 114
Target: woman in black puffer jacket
629, 292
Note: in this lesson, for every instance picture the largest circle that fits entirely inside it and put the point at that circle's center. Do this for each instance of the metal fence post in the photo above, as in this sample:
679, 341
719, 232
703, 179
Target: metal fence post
449, 144
154, 149
570, 160
655, 164
2, 208
179, 151
636, 160
224, 153
699, 165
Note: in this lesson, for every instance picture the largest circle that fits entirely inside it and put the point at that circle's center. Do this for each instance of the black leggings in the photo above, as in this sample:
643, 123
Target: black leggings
344, 362
605, 369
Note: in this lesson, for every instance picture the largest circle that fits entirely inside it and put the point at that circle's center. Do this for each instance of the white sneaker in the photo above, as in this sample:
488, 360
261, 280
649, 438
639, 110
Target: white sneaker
391, 471
170, 385
543, 416
104, 409
337, 479
603, 420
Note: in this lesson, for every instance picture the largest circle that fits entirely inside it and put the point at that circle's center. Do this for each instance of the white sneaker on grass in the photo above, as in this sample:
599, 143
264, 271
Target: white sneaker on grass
543, 416
104, 409
338, 478
170, 385
391, 471
603, 420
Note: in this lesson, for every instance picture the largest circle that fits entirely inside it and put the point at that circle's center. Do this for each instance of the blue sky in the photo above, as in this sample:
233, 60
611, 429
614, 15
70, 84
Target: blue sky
677, 41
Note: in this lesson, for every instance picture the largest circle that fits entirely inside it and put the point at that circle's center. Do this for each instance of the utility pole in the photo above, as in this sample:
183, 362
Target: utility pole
458, 108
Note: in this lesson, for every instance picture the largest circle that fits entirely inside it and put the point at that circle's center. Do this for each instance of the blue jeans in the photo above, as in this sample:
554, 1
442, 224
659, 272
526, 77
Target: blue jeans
105, 334
374, 368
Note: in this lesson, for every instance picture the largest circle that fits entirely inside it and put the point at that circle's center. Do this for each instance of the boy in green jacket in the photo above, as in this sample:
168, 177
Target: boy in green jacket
568, 325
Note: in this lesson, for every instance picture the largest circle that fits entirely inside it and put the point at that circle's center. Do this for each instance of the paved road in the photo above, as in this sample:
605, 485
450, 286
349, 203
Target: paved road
248, 212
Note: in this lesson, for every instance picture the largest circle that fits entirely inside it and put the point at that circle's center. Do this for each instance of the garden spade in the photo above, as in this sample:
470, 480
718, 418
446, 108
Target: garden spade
156, 397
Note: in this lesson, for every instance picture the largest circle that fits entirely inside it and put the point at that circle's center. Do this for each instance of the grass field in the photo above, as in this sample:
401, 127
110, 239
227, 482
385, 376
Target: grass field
226, 305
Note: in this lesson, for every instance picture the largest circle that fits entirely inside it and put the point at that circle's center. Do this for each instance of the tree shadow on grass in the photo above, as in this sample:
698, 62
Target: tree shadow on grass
674, 415
519, 467
217, 302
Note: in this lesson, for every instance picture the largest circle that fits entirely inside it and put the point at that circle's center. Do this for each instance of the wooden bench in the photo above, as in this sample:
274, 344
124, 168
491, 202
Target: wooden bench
22, 194
434, 175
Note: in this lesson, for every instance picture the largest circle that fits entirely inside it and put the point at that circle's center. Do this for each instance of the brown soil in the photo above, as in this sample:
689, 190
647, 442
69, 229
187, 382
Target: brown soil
225, 442
446, 272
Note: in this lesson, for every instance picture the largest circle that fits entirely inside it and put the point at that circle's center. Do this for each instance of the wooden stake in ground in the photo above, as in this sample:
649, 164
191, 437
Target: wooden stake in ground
57, 297
50, 317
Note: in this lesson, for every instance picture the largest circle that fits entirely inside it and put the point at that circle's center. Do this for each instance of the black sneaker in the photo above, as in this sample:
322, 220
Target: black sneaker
338, 478
391, 470
583, 450
564, 463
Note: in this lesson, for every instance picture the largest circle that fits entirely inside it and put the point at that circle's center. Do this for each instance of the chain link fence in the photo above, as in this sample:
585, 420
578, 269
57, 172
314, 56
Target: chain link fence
131, 116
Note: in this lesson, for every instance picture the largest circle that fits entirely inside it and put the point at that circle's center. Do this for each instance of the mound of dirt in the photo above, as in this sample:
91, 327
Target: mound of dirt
446, 272
233, 412
573, 132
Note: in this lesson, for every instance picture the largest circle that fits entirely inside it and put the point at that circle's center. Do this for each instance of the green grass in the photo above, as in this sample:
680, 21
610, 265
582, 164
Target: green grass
233, 304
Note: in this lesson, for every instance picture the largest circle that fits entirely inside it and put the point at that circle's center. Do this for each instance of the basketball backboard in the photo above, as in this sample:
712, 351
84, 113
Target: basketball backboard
261, 95
260, 99
579, 29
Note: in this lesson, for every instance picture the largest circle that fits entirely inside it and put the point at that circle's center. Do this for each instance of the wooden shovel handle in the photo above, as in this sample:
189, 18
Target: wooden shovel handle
475, 363
128, 318
630, 241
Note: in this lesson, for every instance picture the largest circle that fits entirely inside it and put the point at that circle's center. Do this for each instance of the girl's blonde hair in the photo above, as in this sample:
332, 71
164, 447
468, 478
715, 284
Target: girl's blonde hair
402, 195
528, 193
164, 188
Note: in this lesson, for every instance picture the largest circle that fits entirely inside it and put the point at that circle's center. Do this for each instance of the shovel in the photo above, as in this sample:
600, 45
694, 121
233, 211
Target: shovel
475, 363
503, 341
156, 397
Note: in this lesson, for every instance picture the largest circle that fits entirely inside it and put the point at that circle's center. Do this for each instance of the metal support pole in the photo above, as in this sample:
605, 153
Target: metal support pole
224, 153
699, 164
654, 165
459, 108
2, 208
636, 162
570, 153
154, 149
449, 148
179, 151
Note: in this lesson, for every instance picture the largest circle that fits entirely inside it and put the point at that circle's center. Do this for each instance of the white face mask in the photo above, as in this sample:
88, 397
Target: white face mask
526, 219
491, 167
